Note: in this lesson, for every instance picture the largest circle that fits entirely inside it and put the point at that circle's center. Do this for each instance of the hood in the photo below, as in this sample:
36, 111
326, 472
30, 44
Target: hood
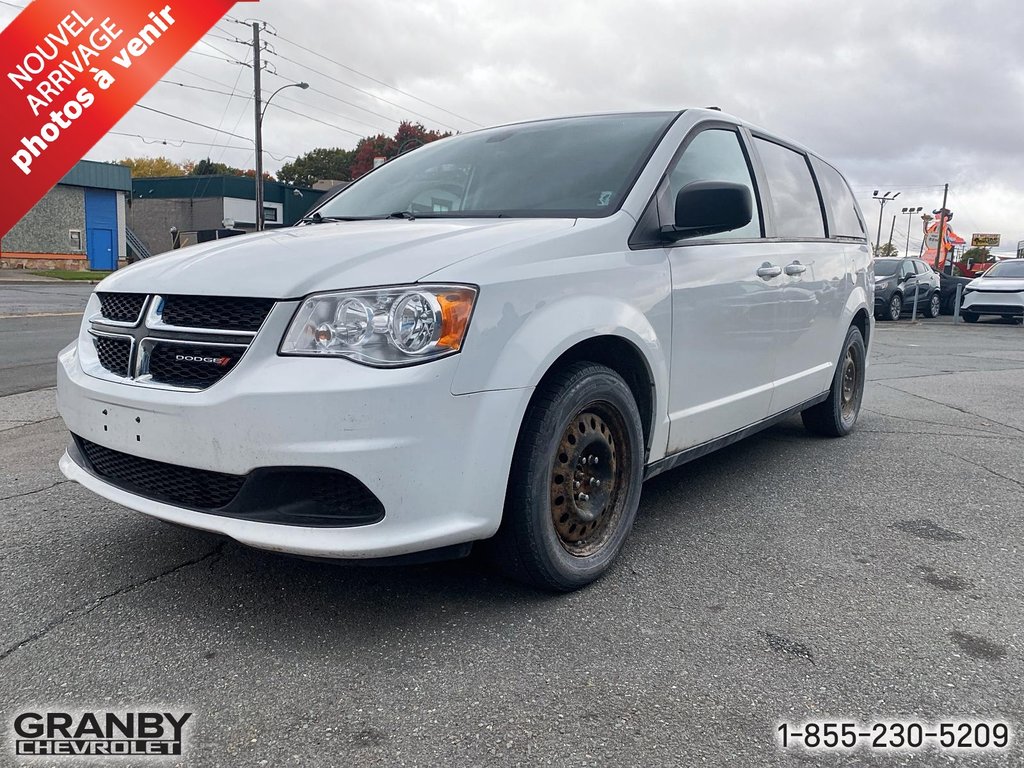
290, 263
996, 284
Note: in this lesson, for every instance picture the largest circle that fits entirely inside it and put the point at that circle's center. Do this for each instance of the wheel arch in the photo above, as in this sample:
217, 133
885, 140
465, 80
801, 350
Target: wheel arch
633, 342
623, 357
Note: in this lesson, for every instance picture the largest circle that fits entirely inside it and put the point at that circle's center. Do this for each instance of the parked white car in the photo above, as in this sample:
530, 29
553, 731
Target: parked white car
494, 338
1000, 291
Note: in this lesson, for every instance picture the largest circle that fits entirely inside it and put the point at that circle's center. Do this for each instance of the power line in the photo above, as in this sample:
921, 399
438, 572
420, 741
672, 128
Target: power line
191, 122
206, 90
318, 120
331, 96
329, 112
279, 98
365, 92
374, 79
177, 143
217, 58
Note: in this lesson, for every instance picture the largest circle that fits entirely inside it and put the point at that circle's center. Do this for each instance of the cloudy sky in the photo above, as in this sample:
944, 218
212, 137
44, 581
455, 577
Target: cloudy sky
901, 96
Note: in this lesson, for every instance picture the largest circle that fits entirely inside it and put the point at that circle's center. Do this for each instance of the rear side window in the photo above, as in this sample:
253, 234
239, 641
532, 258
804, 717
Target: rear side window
714, 155
791, 187
843, 220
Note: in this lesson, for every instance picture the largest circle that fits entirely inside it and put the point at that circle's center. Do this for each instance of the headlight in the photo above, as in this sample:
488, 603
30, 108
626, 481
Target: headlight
388, 327
883, 285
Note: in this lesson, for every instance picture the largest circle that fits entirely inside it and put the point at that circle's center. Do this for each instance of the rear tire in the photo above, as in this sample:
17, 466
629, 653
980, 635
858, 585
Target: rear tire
574, 486
934, 306
837, 415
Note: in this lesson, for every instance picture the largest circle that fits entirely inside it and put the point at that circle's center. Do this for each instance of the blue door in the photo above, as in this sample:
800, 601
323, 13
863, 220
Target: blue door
100, 228
101, 249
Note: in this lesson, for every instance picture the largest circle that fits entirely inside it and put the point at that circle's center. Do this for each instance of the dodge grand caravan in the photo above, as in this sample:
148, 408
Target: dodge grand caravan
494, 339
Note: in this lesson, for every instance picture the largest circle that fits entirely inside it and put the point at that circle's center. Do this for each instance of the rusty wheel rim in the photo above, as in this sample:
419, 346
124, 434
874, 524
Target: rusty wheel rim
587, 479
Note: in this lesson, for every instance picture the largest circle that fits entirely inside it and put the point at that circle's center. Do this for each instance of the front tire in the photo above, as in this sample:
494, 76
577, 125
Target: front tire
934, 306
574, 486
895, 308
969, 317
837, 415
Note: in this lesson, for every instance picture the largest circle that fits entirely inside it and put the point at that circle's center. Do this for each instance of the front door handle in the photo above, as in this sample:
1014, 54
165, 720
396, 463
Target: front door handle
767, 271
796, 268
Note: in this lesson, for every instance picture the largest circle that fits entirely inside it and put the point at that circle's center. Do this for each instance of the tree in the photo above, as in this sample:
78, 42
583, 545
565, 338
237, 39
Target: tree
150, 167
317, 165
367, 149
978, 255
408, 136
886, 250
209, 168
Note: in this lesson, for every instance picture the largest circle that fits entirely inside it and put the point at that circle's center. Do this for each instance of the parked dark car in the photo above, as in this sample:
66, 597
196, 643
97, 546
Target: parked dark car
898, 281
948, 285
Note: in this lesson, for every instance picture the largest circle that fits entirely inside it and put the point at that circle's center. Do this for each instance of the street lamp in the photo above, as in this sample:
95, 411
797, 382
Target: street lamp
910, 215
260, 113
882, 200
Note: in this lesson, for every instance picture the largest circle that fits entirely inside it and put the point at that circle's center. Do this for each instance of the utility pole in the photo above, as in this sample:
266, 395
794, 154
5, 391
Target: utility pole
888, 247
257, 100
941, 230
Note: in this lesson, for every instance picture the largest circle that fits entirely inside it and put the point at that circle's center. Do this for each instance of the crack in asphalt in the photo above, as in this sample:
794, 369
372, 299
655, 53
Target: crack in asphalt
37, 490
937, 423
929, 434
991, 471
951, 407
24, 424
84, 610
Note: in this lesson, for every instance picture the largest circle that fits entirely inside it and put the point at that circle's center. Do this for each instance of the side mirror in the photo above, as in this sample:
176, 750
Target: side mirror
709, 207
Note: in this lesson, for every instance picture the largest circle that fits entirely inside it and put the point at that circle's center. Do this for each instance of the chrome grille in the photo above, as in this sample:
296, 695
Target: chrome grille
173, 342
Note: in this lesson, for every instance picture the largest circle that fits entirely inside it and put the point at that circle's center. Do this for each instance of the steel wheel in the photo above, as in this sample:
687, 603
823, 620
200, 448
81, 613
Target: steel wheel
586, 479
850, 394
837, 415
574, 484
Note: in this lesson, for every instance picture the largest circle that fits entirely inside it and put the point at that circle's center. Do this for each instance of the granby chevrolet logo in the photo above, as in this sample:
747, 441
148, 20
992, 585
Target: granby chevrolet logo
137, 734
221, 361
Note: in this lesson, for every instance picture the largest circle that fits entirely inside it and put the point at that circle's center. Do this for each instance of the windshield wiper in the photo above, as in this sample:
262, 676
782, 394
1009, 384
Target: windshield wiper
401, 215
317, 218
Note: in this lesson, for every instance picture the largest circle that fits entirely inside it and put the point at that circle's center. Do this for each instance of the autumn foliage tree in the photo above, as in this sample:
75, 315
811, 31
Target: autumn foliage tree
408, 136
152, 167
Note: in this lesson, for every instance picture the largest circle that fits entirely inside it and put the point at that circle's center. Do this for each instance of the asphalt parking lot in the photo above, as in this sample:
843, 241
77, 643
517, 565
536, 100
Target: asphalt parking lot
786, 578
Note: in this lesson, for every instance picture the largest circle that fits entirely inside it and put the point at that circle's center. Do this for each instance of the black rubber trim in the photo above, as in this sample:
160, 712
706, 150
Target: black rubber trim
690, 454
315, 497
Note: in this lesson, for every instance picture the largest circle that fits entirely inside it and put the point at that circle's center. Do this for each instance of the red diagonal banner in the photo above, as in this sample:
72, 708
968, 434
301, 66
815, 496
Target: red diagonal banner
70, 70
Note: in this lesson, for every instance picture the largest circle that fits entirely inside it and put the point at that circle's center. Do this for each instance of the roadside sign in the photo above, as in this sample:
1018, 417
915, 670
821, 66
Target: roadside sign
931, 240
1020, 249
985, 241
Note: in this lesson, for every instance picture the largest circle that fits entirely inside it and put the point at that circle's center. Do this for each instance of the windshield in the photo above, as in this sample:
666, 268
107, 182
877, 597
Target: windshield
886, 267
574, 167
1014, 268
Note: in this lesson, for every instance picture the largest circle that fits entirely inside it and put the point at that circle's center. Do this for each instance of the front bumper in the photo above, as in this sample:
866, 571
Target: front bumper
1009, 303
437, 462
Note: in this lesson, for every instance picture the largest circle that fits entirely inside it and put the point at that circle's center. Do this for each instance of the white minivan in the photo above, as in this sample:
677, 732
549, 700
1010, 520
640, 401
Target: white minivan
493, 339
